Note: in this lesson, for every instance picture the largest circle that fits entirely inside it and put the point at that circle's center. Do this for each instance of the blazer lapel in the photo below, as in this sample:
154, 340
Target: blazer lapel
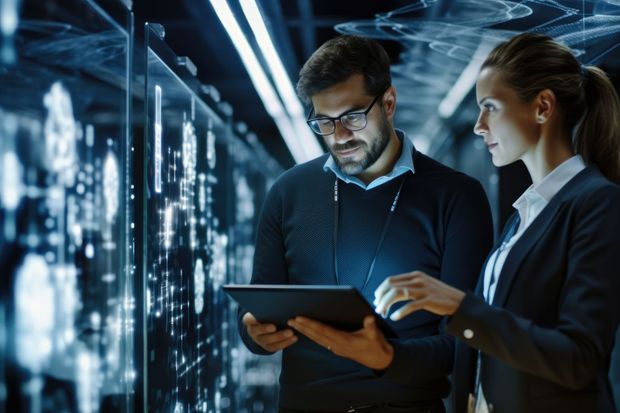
480, 284
530, 237
518, 253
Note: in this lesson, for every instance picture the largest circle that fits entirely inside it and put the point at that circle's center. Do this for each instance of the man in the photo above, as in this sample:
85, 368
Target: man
372, 208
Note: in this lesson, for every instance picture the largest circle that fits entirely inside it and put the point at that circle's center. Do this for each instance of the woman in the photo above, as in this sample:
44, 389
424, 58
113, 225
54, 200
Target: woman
547, 305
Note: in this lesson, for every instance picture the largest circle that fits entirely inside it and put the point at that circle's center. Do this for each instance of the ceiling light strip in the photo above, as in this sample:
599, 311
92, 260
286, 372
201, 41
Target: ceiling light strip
281, 78
260, 81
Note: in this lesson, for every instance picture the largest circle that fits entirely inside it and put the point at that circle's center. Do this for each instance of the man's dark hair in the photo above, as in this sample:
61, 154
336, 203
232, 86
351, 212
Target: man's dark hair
340, 58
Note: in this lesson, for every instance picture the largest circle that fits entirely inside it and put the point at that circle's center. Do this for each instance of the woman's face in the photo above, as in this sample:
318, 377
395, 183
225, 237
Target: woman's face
507, 124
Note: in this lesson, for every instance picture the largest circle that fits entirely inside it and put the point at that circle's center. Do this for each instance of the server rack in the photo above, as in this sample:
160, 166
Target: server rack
127, 198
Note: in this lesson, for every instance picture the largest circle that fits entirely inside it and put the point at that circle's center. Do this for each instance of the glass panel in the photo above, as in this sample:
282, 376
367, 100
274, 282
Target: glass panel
253, 173
204, 188
66, 322
187, 170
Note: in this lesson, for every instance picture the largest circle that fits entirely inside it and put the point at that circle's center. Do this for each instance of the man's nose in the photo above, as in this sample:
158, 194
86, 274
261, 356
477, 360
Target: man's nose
341, 134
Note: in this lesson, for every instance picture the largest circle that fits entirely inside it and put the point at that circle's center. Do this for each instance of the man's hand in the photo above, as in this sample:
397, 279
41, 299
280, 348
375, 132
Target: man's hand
420, 291
367, 346
267, 336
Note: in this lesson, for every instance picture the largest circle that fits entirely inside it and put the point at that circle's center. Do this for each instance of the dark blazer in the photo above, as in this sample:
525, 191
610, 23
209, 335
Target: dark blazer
547, 338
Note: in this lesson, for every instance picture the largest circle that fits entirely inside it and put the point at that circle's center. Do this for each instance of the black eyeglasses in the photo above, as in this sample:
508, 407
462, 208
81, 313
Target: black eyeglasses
353, 121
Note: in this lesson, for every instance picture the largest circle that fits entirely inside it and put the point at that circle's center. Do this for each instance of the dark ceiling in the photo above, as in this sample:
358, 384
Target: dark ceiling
430, 42
300, 26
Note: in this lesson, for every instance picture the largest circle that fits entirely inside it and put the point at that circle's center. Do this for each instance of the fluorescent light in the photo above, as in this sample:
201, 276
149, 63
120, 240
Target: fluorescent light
280, 77
465, 82
282, 81
257, 75
294, 139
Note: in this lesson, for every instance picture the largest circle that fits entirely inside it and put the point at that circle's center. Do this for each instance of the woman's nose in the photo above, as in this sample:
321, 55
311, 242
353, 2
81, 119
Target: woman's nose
480, 128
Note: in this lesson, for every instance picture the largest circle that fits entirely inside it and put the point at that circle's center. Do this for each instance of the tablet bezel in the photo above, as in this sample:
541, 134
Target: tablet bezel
340, 306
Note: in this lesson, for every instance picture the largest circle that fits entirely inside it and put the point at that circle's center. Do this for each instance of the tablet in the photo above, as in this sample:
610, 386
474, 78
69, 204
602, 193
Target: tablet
342, 307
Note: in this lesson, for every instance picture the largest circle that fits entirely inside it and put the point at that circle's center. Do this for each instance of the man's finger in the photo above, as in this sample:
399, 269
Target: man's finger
281, 345
312, 330
331, 333
249, 319
260, 329
370, 324
271, 338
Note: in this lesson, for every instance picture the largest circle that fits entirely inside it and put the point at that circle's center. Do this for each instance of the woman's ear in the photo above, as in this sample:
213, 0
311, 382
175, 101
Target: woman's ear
545, 104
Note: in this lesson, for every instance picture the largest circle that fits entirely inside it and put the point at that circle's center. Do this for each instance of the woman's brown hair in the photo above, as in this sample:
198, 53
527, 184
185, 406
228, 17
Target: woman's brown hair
586, 98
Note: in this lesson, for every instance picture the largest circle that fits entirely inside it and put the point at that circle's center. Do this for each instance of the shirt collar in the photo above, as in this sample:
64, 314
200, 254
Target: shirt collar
537, 196
556, 179
402, 165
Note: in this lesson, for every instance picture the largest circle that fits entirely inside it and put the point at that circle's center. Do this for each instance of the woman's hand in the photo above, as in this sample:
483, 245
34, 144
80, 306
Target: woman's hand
422, 292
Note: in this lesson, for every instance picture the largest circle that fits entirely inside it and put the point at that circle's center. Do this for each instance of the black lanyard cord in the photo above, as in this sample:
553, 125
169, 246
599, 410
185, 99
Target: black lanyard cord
386, 224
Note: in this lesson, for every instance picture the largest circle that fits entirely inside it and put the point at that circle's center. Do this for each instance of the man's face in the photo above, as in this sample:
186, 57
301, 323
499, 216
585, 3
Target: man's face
353, 152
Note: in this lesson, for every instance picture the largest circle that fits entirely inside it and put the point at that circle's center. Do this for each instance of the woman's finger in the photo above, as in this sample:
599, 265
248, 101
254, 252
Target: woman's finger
408, 309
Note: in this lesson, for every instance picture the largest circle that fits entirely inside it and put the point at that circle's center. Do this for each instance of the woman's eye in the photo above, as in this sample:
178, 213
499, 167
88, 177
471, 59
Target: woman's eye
489, 107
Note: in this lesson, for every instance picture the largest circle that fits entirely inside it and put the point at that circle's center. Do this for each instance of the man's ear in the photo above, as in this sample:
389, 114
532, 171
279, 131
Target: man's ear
389, 102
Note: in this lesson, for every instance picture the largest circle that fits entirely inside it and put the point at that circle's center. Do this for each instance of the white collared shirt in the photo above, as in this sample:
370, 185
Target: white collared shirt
403, 164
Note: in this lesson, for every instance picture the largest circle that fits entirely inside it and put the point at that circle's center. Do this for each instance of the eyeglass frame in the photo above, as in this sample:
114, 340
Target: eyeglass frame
338, 118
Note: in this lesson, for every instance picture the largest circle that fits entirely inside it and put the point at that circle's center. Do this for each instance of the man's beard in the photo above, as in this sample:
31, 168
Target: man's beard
371, 153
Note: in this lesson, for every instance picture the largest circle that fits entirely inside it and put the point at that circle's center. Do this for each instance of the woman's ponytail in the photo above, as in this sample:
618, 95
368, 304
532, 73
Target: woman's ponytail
597, 138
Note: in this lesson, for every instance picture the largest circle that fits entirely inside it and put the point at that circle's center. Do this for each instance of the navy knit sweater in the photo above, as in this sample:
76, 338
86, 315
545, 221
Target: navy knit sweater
442, 225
